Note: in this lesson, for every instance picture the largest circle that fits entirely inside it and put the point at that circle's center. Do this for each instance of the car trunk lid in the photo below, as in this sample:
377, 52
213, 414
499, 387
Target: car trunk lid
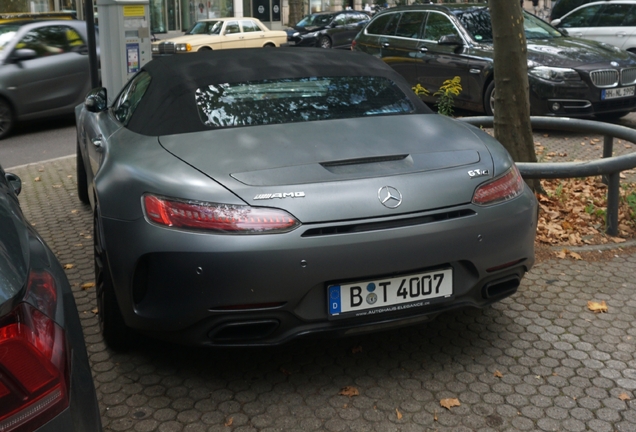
321, 171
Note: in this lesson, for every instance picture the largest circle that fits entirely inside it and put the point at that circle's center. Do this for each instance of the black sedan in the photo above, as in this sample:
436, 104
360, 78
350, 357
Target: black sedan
327, 29
249, 197
45, 379
572, 77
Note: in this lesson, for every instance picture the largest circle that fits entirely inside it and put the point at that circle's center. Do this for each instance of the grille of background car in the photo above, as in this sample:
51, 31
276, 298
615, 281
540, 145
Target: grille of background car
628, 76
166, 48
604, 77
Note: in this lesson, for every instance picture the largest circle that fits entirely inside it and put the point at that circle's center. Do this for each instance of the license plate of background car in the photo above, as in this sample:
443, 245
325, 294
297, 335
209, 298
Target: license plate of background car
617, 92
390, 294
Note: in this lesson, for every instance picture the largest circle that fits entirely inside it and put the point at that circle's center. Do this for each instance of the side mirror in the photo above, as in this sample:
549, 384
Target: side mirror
556, 22
96, 100
450, 40
23, 54
15, 182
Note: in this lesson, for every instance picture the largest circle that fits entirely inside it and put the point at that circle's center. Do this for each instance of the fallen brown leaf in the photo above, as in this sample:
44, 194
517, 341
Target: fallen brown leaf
349, 391
285, 371
448, 403
398, 414
37, 179
229, 422
498, 374
87, 285
356, 349
597, 307
68, 266
624, 397
95, 310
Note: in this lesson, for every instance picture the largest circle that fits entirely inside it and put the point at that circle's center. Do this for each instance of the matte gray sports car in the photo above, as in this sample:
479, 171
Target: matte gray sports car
247, 197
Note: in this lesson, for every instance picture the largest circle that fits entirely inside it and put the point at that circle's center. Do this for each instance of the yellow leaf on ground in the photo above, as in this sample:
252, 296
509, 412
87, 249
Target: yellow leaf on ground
95, 310
498, 374
562, 254
398, 414
68, 266
448, 403
597, 307
349, 391
624, 397
575, 256
87, 285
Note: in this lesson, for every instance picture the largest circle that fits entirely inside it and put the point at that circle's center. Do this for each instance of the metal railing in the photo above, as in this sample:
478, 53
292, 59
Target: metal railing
609, 166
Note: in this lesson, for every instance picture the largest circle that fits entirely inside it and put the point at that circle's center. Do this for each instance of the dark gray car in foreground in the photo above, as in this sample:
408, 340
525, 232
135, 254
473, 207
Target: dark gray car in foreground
248, 197
46, 383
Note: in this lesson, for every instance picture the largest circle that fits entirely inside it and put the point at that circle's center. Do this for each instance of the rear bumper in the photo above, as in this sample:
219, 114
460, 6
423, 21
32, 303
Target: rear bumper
187, 286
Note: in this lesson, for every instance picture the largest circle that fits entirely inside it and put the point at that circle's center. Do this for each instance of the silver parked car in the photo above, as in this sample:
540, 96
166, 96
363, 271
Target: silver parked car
44, 69
248, 197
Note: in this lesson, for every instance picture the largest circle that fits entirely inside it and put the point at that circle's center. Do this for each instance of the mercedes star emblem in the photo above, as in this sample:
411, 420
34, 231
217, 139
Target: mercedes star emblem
390, 197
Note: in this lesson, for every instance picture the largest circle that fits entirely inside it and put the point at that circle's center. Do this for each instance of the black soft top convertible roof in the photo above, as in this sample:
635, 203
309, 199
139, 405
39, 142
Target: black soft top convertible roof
168, 106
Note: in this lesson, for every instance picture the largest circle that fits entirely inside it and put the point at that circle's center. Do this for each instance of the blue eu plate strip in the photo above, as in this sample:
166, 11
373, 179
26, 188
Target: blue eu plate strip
334, 300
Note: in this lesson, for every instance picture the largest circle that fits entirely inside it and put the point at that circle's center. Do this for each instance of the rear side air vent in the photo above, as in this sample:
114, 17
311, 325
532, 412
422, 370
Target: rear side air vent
377, 226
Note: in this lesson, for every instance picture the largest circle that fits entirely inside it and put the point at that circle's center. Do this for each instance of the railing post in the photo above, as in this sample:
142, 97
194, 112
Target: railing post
613, 191
608, 150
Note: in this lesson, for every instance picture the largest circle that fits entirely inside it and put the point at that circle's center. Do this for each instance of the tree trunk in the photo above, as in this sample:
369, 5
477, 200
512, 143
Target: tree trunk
512, 104
296, 11
10, 6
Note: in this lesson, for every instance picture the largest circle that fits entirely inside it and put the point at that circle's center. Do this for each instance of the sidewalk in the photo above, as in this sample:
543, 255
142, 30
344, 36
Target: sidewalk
538, 361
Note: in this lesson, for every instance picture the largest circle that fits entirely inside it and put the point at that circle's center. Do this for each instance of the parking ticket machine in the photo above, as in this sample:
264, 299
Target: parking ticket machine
124, 41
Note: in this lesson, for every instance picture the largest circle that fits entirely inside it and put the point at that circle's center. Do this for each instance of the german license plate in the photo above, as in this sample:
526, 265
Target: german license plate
390, 294
617, 92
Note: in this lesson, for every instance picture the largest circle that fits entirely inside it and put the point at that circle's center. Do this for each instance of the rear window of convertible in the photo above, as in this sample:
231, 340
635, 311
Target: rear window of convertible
299, 100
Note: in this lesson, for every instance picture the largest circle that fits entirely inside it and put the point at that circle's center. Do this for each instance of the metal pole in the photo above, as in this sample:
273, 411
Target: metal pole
611, 218
608, 150
92, 43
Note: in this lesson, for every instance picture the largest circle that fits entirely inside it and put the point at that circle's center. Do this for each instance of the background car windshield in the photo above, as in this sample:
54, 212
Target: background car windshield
315, 20
207, 27
6, 34
477, 23
298, 100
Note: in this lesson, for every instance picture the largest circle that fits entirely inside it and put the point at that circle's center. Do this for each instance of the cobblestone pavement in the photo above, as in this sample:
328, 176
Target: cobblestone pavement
538, 361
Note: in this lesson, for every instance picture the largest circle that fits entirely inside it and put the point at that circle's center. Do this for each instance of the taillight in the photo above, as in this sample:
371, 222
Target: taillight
500, 189
33, 362
353, 45
226, 218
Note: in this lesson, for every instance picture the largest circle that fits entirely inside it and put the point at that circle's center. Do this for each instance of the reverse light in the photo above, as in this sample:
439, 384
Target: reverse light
500, 189
155, 48
33, 361
223, 218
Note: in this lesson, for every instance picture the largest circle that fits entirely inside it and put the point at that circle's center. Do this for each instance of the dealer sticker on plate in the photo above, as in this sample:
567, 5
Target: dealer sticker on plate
386, 295
617, 92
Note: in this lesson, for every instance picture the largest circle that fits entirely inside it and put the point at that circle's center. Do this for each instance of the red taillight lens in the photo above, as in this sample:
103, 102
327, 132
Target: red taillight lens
500, 189
33, 362
225, 218
353, 45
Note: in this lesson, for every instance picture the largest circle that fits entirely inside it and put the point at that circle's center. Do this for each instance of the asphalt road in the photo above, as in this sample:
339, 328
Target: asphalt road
37, 141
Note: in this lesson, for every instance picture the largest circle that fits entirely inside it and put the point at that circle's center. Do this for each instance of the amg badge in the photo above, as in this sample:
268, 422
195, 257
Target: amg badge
280, 195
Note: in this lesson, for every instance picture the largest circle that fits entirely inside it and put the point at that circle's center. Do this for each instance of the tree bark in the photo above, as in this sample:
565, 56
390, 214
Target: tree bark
512, 105
296, 11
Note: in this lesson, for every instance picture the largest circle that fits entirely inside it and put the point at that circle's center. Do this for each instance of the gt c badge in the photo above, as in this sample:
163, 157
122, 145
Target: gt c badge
390, 197
280, 195
478, 173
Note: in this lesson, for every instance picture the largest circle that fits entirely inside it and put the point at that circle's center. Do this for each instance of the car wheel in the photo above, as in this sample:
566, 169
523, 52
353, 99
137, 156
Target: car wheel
111, 322
269, 45
82, 181
324, 42
489, 99
7, 118
204, 49
611, 116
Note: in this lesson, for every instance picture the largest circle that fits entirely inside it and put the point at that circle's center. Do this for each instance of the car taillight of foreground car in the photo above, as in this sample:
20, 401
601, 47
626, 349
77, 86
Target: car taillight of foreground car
34, 370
